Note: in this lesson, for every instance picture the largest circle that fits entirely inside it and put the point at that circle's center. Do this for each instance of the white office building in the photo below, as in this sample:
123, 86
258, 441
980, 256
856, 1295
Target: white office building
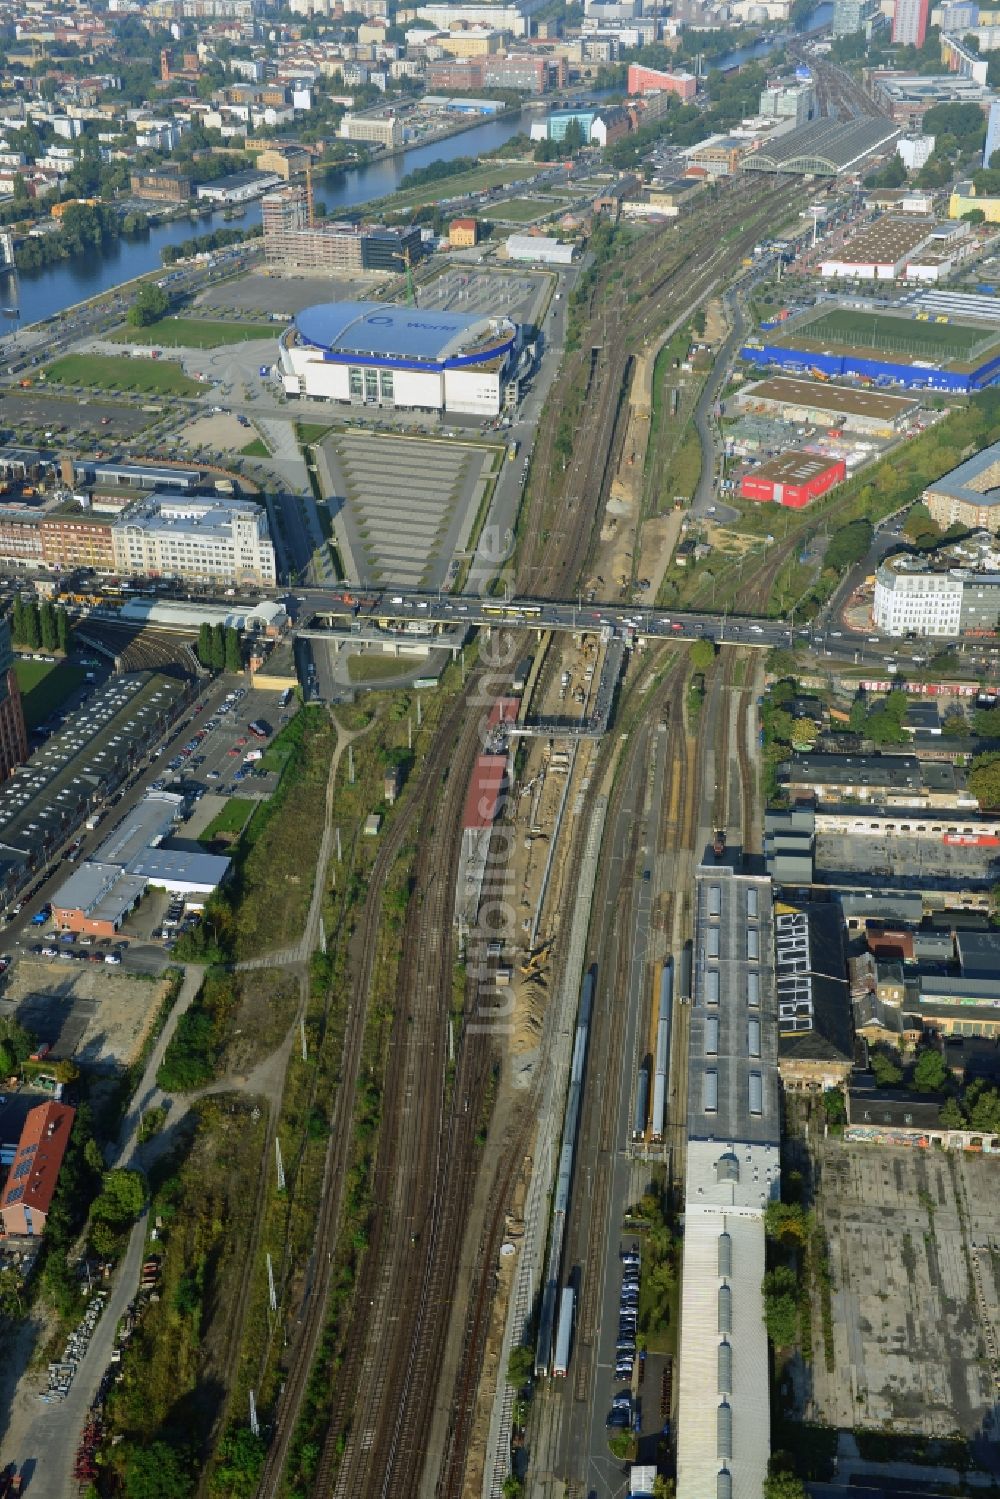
195, 536
956, 593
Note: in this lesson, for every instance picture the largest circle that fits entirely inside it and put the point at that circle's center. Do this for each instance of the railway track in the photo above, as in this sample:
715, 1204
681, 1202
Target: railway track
313, 1314
428, 1157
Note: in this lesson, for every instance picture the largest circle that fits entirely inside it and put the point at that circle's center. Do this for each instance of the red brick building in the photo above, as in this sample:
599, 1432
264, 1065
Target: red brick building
34, 1173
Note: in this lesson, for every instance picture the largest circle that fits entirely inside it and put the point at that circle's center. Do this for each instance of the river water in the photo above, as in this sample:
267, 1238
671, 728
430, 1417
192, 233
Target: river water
43, 293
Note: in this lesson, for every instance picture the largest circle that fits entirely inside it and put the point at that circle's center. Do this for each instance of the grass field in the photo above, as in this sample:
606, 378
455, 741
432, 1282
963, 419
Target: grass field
193, 333
869, 330
230, 821
256, 448
114, 372
522, 210
369, 668
454, 187
44, 685
310, 432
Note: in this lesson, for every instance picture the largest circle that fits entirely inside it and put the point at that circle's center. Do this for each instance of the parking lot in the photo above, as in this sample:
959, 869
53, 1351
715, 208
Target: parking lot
283, 296
914, 1243
217, 762
36, 411
516, 294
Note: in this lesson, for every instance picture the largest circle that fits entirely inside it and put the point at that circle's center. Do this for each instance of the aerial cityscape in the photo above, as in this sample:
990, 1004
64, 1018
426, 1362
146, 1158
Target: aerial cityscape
499, 749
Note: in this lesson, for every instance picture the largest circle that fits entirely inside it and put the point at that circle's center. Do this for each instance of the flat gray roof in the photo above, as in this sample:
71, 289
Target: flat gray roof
977, 480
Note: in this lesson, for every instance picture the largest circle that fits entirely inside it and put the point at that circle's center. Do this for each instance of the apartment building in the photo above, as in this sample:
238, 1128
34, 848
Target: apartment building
291, 243
372, 130
13, 733
163, 184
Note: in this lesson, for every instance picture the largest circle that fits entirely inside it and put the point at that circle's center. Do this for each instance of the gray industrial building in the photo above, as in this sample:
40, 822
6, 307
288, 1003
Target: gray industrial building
732, 1173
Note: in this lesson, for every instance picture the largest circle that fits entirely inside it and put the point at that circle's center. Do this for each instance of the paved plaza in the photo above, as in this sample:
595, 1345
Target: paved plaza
914, 1244
407, 505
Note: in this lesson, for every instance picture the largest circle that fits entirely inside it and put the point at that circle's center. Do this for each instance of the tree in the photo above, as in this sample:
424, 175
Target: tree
984, 780
781, 1311
20, 1040
781, 1483
123, 1196
786, 1223
982, 1105
888, 1073
233, 651
204, 646
835, 1108
241, 1459
702, 654
218, 648
8, 1060
64, 630
950, 1115
154, 1472
930, 1075
848, 546
520, 1366
47, 622
151, 303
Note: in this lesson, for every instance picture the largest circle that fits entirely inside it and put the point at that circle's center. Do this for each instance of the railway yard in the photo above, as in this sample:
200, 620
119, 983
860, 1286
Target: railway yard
471, 1149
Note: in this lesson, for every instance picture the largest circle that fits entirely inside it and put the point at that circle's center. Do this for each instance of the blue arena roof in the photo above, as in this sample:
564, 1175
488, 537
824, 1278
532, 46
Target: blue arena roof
379, 329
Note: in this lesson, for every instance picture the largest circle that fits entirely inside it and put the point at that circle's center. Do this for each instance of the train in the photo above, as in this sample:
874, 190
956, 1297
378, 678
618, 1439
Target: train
662, 1067
560, 1206
641, 1102
564, 1332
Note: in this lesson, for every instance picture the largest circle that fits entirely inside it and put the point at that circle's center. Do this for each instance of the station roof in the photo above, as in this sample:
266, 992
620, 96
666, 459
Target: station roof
383, 330
825, 147
485, 786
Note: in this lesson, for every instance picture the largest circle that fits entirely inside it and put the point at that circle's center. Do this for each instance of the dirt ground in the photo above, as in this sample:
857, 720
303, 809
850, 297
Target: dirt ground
97, 1016
268, 1002
221, 432
658, 538
715, 324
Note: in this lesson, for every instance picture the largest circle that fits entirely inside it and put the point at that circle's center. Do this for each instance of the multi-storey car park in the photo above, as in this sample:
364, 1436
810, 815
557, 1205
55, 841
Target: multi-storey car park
732, 1172
883, 348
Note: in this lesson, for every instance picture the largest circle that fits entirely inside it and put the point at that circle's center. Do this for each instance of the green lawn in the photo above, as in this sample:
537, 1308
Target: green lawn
906, 335
232, 819
522, 210
194, 333
310, 432
44, 685
119, 372
256, 448
454, 187
371, 668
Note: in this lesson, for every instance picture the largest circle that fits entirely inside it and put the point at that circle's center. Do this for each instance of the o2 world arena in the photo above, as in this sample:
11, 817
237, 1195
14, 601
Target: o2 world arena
376, 354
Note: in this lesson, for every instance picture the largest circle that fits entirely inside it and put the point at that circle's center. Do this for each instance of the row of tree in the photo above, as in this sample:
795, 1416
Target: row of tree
219, 648
43, 626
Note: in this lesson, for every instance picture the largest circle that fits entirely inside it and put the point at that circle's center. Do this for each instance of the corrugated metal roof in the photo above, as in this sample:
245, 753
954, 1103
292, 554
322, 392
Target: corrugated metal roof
486, 785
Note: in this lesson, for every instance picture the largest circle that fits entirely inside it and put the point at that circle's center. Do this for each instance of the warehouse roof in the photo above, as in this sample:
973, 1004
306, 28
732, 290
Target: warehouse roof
825, 147
381, 329
796, 467
979, 953
787, 391
884, 243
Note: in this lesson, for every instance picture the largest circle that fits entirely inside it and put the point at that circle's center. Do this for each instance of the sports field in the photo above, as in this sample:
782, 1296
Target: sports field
194, 333
111, 372
869, 330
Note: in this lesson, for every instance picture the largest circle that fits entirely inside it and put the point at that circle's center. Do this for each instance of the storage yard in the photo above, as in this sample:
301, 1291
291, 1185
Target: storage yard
911, 1235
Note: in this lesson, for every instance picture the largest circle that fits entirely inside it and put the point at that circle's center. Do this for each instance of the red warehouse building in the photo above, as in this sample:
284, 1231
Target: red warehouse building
794, 479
